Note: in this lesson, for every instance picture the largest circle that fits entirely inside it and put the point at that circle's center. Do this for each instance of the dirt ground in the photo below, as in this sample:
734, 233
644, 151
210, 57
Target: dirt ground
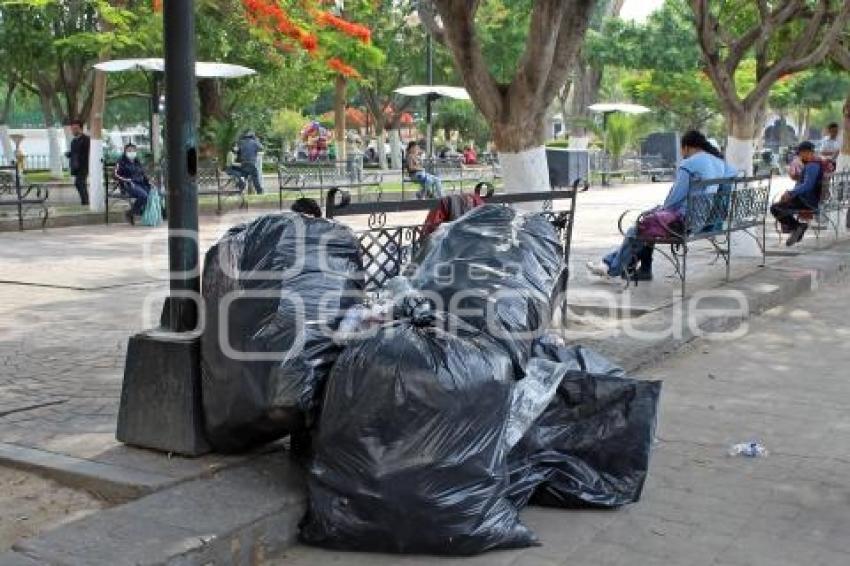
30, 505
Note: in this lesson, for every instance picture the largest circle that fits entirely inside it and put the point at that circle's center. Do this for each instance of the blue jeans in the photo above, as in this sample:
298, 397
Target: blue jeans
139, 194
244, 172
628, 254
431, 185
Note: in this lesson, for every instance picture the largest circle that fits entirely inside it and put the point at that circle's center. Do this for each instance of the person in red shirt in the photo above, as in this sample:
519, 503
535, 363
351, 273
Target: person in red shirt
469, 156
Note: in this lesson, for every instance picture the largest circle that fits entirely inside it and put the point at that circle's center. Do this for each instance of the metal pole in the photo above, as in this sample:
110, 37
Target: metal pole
180, 313
429, 48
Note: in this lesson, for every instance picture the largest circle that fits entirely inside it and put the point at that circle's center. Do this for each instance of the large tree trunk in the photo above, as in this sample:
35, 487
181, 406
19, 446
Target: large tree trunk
339, 116
844, 156
585, 92
96, 189
516, 112
54, 145
395, 148
212, 106
6, 146
380, 145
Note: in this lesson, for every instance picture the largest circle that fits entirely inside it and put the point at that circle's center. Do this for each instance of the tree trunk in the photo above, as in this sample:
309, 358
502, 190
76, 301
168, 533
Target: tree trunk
844, 156
395, 148
380, 146
54, 146
522, 155
212, 107
340, 87
96, 194
6, 146
585, 92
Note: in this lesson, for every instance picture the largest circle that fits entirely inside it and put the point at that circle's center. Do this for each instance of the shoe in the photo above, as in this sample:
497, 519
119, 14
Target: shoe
598, 269
797, 234
128, 216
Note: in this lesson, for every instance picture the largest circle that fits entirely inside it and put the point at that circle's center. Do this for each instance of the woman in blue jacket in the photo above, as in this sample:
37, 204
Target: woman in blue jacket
701, 161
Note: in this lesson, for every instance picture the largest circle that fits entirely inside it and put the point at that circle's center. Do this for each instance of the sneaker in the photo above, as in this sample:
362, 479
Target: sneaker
797, 234
598, 269
128, 216
641, 275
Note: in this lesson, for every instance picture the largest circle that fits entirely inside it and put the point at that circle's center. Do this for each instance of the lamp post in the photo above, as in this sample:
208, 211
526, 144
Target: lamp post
161, 394
429, 116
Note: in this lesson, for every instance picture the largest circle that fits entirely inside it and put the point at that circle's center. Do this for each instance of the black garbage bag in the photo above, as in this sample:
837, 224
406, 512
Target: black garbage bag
497, 269
303, 273
410, 453
591, 446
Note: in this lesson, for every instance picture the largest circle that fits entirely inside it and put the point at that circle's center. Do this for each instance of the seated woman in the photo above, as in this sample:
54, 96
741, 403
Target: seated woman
431, 184
701, 160
134, 181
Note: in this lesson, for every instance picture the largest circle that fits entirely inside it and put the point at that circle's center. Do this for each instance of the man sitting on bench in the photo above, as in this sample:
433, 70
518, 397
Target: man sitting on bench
805, 195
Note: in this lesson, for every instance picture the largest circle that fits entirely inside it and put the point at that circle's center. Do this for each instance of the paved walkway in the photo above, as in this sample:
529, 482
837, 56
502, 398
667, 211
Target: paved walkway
784, 384
69, 299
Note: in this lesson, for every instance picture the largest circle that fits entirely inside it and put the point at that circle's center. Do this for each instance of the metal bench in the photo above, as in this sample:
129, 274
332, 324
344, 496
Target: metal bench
112, 191
13, 193
386, 250
212, 181
303, 179
739, 205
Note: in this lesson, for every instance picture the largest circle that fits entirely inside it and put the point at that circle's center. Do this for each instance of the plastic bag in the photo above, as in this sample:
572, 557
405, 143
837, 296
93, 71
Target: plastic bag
498, 270
592, 444
152, 215
290, 278
410, 451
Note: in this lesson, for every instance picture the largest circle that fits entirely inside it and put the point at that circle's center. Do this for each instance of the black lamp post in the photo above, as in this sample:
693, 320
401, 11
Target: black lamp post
161, 397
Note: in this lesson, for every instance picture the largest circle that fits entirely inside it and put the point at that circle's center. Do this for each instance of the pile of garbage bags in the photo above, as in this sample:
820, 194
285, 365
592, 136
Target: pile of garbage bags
442, 410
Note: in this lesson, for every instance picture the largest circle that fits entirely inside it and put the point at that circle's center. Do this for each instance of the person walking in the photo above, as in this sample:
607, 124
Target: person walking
248, 149
78, 159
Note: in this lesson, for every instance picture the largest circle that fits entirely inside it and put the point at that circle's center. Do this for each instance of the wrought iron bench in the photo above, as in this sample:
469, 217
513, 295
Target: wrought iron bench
13, 193
305, 179
212, 181
387, 249
740, 204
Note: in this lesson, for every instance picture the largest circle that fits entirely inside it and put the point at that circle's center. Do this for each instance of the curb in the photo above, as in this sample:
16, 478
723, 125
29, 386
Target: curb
241, 515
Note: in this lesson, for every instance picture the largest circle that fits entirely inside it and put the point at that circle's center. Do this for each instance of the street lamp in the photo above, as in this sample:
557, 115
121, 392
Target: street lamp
161, 396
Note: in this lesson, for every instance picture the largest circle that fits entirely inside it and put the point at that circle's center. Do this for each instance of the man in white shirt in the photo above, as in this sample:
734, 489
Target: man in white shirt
830, 146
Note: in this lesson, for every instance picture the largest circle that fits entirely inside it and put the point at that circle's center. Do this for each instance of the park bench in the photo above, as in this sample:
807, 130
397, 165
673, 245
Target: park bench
828, 214
24, 199
739, 205
303, 179
387, 249
212, 181
654, 169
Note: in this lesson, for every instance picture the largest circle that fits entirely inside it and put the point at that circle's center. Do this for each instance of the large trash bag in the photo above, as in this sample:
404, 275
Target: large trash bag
410, 453
497, 269
592, 444
307, 272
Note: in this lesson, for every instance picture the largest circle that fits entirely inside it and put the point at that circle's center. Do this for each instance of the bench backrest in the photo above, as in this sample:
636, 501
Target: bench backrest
386, 250
728, 204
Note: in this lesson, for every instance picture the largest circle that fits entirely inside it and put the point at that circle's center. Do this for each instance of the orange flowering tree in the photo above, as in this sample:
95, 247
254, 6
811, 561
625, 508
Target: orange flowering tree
319, 29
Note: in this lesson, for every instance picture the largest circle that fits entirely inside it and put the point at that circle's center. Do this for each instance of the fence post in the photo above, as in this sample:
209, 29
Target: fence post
20, 198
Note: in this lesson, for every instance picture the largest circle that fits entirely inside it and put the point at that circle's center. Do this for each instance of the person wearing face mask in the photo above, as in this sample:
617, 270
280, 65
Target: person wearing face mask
134, 181
700, 160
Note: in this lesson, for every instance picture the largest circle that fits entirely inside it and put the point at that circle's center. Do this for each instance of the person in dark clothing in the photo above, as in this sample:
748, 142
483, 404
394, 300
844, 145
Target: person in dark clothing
806, 194
79, 160
134, 181
247, 152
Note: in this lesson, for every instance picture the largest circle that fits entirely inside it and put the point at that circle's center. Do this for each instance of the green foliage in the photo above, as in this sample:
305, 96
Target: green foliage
463, 117
502, 27
286, 125
221, 135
